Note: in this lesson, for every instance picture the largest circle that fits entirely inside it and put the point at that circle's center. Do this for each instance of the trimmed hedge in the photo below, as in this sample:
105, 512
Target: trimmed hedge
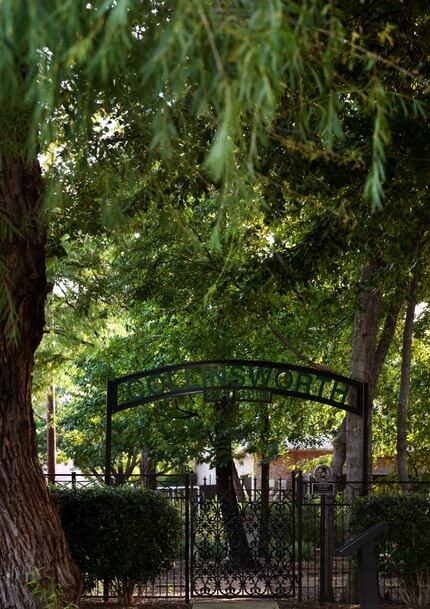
127, 535
404, 550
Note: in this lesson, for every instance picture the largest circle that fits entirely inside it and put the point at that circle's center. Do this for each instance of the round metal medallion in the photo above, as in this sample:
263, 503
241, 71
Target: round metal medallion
323, 473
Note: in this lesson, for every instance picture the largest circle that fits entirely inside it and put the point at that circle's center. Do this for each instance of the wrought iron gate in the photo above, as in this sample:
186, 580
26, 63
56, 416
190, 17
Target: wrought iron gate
243, 545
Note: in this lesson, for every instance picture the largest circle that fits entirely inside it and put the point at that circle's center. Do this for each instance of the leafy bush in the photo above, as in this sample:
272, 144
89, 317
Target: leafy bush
126, 535
404, 550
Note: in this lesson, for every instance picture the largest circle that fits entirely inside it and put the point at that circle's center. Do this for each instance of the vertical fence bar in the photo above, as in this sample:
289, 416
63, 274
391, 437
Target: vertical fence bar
187, 538
322, 550
111, 399
365, 464
110, 402
294, 511
300, 533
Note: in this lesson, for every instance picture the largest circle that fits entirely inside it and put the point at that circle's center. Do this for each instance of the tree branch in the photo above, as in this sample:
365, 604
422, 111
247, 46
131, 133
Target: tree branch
289, 345
385, 339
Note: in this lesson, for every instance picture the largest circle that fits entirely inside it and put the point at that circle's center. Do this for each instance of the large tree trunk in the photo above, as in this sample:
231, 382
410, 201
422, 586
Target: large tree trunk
403, 403
360, 368
31, 536
365, 363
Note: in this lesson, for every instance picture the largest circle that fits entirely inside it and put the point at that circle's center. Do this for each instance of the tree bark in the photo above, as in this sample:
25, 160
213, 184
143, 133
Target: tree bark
403, 403
339, 451
238, 486
147, 467
385, 340
263, 543
360, 368
366, 364
240, 552
31, 536
263, 537
367, 359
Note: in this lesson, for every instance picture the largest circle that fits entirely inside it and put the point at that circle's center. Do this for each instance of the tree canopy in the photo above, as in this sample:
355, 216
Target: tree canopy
205, 178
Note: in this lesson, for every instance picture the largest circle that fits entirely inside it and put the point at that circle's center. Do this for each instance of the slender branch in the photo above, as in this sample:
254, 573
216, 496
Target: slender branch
60, 332
289, 345
189, 413
131, 464
386, 338
403, 398
127, 465
212, 43
377, 58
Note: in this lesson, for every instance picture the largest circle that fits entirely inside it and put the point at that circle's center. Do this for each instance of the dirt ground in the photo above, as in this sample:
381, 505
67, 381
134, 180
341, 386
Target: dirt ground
150, 604
283, 604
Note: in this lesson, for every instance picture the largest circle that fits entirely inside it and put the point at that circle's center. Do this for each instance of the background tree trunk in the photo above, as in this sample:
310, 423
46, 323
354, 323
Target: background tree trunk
360, 368
51, 435
147, 468
240, 552
30, 531
366, 363
263, 543
403, 403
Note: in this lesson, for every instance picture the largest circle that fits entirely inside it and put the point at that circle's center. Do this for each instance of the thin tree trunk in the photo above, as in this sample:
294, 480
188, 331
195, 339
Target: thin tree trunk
339, 451
238, 486
263, 544
263, 538
240, 552
31, 536
403, 403
148, 467
51, 436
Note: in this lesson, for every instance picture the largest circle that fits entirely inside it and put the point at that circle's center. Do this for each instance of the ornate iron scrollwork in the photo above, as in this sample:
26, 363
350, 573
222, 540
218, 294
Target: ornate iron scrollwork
245, 551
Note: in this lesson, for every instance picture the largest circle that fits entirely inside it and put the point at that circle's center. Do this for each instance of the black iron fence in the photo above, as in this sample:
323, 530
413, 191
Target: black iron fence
242, 544
323, 528
173, 583
291, 537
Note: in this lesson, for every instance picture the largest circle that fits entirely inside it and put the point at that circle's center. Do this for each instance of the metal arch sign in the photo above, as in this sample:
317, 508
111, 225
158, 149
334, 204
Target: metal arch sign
252, 380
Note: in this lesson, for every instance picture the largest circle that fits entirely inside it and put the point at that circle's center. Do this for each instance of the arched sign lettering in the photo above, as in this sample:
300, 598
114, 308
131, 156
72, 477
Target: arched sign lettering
250, 380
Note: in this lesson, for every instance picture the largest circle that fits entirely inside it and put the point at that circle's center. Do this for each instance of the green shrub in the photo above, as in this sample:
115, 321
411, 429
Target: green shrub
404, 550
126, 535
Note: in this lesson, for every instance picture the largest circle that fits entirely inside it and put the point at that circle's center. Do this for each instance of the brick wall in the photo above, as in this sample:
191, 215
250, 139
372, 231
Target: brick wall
282, 467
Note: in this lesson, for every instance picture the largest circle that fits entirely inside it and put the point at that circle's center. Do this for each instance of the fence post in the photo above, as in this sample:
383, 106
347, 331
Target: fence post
294, 508
187, 538
300, 532
322, 551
